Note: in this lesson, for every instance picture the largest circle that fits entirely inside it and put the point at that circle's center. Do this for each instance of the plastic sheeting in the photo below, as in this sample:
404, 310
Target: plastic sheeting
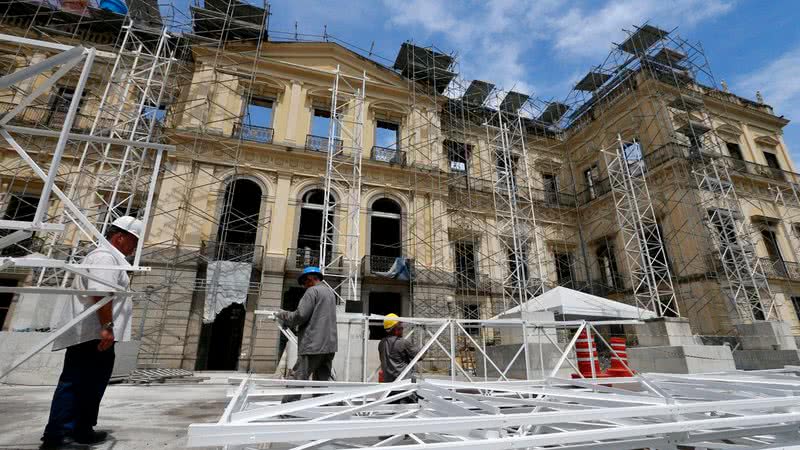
227, 282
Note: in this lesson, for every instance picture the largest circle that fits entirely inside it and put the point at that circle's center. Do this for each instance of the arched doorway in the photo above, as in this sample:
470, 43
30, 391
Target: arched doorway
309, 233
230, 270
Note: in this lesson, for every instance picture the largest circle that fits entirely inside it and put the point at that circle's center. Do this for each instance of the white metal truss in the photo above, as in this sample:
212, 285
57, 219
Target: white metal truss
648, 268
71, 215
746, 282
658, 411
339, 259
515, 221
787, 198
538, 351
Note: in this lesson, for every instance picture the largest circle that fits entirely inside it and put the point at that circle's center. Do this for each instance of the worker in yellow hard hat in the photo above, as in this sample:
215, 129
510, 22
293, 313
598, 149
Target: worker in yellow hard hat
396, 352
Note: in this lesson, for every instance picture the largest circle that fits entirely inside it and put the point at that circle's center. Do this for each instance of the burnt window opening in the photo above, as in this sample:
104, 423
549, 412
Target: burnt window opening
20, 208
387, 134
607, 262
564, 262
734, 151
458, 155
309, 235
466, 264
240, 212
385, 230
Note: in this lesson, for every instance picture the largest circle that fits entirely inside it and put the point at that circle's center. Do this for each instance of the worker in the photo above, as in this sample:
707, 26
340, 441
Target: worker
89, 357
315, 318
395, 351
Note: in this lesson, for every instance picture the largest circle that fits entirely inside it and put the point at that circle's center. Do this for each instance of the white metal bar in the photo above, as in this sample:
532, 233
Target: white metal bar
90, 138
55, 162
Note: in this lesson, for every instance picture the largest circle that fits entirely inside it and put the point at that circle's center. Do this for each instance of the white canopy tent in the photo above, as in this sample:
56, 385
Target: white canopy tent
569, 304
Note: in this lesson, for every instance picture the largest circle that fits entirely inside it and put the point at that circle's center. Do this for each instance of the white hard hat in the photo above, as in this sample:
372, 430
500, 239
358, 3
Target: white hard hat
130, 224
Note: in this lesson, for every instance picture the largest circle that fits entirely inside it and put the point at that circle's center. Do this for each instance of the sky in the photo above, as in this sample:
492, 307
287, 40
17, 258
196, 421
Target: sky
543, 47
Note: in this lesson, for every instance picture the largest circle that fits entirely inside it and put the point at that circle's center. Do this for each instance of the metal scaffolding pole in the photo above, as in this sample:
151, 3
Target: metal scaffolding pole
339, 257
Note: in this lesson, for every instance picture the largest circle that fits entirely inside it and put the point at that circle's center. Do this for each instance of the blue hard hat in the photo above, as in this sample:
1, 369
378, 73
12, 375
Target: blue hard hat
309, 270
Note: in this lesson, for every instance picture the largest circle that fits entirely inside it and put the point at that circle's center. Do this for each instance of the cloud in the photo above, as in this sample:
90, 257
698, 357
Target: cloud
589, 31
778, 83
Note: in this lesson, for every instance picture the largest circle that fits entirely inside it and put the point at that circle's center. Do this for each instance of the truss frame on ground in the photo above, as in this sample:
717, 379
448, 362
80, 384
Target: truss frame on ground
663, 411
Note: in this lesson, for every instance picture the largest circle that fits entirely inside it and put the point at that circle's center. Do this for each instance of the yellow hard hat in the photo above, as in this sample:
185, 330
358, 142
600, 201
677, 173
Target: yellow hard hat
390, 321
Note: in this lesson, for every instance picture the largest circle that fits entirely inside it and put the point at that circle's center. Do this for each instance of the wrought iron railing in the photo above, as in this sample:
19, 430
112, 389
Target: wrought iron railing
320, 143
778, 268
373, 264
252, 133
300, 258
51, 117
388, 155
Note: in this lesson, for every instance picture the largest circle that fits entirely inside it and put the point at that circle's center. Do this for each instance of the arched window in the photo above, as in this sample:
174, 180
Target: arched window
386, 239
238, 223
309, 233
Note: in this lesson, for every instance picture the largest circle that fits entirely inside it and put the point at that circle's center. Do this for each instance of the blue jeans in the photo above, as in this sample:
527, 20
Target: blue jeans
81, 386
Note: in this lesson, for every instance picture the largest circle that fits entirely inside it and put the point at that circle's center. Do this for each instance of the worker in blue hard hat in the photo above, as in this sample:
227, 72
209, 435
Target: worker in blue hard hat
315, 318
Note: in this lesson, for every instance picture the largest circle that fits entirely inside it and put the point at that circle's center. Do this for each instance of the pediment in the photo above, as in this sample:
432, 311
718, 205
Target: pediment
729, 130
327, 56
768, 141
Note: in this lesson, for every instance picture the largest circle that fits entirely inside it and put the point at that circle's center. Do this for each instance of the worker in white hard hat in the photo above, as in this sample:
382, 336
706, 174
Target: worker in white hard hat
89, 345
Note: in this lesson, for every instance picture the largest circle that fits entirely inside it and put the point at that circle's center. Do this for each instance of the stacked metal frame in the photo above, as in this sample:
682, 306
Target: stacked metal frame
652, 411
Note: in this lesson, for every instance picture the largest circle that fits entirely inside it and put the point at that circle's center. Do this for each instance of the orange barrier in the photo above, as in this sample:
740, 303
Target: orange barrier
586, 352
618, 369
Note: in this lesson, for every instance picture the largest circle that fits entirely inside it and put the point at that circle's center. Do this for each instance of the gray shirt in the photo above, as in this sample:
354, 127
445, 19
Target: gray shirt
395, 353
315, 318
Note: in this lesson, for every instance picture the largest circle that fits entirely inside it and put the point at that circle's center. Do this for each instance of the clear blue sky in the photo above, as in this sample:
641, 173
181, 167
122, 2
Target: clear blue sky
543, 46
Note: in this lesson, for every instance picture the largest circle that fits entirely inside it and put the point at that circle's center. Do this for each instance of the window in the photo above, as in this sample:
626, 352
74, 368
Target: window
607, 262
256, 122
21, 208
258, 112
796, 230
795, 303
513, 259
772, 160
309, 232
385, 234
320, 122
563, 268
502, 162
458, 154
466, 264
776, 263
590, 178
734, 151
387, 134
550, 182
60, 102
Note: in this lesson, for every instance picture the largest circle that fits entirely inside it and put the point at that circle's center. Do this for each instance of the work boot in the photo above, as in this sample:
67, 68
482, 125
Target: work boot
90, 437
53, 442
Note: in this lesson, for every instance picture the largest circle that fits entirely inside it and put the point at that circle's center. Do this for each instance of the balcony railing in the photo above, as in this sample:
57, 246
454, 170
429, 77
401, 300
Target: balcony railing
469, 281
230, 251
51, 118
252, 133
320, 143
388, 155
300, 258
377, 264
778, 268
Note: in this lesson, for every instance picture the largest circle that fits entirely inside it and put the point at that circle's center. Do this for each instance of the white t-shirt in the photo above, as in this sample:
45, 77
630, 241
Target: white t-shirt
122, 308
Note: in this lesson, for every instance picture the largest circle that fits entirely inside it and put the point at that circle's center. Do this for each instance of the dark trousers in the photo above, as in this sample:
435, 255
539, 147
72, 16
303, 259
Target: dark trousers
320, 366
81, 386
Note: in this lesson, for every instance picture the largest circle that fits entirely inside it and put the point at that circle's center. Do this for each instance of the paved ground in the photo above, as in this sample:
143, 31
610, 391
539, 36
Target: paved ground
137, 416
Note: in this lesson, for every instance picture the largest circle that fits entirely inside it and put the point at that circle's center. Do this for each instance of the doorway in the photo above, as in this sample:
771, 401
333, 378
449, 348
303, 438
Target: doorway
226, 338
383, 303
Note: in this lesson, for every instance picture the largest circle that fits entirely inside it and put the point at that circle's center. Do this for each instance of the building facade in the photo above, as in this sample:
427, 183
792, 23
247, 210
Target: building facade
464, 208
